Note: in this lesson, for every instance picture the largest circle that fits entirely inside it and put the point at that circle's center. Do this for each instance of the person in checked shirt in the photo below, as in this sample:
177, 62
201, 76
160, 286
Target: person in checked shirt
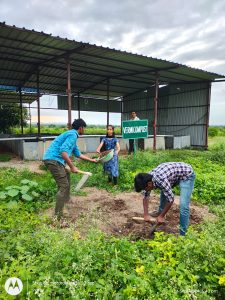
165, 176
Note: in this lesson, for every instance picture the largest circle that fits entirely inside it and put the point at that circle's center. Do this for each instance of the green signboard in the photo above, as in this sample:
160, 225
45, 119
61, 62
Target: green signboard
135, 129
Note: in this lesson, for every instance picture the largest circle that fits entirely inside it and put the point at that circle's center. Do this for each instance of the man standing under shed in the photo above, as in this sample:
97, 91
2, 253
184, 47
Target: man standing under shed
132, 141
58, 155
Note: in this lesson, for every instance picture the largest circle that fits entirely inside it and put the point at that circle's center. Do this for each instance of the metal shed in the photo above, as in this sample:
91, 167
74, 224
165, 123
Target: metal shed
175, 98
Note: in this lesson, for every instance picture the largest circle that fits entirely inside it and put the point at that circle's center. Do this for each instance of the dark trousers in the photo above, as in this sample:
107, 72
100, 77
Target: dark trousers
113, 179
62, 178
131, 146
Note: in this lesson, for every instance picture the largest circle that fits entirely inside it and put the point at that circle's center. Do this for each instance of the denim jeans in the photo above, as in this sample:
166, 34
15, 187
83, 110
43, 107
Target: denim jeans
186, 188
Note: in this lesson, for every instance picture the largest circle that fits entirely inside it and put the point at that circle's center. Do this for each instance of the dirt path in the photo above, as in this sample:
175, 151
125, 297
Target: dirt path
112, 213
32, 166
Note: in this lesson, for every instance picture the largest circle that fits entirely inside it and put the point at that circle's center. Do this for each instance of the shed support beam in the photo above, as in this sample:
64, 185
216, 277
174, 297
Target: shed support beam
38, 104
155, 111
207, 115
30, 117
78, 105
69, 94
108, 82
121, 115
21, 110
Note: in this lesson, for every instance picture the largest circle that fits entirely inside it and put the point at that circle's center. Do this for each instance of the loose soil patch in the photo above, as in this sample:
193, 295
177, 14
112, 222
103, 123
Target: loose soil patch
113, 213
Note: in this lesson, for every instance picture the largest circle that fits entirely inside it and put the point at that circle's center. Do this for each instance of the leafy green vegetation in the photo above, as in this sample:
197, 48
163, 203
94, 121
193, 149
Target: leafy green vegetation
60, 264
33, 193
57, 264
216, 131
209, 167
58, 129
5, 157
10, 116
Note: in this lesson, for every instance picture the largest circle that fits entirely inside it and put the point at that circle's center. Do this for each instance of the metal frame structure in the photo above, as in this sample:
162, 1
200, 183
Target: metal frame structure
54, 65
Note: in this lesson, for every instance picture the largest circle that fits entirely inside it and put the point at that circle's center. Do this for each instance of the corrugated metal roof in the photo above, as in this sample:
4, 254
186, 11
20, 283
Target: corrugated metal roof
23, 52
8, 97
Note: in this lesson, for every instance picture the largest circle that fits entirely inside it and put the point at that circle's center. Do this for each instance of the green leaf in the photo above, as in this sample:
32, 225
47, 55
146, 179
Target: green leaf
13, 193
27, 197
33, 183
12, 187
2, 195
25, 181
24, 189
35, 194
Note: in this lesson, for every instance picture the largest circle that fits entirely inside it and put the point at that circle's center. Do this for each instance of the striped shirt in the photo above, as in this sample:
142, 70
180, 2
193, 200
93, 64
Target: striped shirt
166, 175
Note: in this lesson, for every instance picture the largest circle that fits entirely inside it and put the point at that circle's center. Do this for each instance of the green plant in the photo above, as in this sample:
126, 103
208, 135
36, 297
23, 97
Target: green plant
62, 264
5, 157
10, 116
27, 191
30, 193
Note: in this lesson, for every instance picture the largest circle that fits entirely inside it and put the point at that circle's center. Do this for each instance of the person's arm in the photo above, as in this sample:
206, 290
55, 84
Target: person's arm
117, 148
166, 189
99, 147
145, 207
84, 157
67, 159
78, 154
161, 217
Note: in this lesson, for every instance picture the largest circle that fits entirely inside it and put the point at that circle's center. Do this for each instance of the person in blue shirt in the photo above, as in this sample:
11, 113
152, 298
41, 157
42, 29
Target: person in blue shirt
110, 142
58, 155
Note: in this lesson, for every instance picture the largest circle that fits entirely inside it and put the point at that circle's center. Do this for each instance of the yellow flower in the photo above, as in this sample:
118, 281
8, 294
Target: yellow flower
76, 235
222, 280
140, 269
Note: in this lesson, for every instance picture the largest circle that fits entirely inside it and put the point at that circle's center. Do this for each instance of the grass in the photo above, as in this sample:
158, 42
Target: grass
216, 140
5, 157
61, 264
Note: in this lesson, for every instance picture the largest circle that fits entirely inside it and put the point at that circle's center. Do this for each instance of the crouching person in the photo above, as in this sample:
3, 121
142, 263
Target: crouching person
165, 177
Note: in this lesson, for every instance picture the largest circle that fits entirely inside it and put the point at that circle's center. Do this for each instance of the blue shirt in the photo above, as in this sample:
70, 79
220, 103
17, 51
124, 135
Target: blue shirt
65, 142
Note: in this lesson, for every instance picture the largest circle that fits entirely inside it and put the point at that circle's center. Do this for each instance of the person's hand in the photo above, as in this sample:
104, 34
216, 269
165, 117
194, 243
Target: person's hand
147, 218
94, 160
160, 220
98, 151
74, 169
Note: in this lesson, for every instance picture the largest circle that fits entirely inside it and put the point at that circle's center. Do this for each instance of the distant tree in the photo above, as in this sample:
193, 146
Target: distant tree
10, 117
213, 131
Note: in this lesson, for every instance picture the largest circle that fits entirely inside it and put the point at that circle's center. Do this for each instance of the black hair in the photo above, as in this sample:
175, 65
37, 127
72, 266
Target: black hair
113, 134
78, 123
141, 180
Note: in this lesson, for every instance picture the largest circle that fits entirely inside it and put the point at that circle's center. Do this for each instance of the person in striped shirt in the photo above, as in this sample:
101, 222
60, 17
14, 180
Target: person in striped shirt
165, 176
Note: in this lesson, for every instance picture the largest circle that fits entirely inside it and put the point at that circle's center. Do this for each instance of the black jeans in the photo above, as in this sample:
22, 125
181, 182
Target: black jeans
131, 145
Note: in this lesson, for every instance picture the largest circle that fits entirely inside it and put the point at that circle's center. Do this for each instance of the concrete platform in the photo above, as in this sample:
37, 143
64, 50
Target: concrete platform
33, 148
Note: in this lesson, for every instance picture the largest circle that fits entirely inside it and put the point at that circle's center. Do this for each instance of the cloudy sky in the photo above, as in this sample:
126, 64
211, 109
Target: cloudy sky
188, 32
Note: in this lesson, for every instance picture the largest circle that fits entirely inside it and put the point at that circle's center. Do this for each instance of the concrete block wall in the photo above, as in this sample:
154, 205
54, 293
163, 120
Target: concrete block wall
34, 149
182, 142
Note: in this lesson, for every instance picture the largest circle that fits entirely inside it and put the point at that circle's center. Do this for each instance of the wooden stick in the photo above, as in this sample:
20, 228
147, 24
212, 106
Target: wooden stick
141, 219
78, 171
